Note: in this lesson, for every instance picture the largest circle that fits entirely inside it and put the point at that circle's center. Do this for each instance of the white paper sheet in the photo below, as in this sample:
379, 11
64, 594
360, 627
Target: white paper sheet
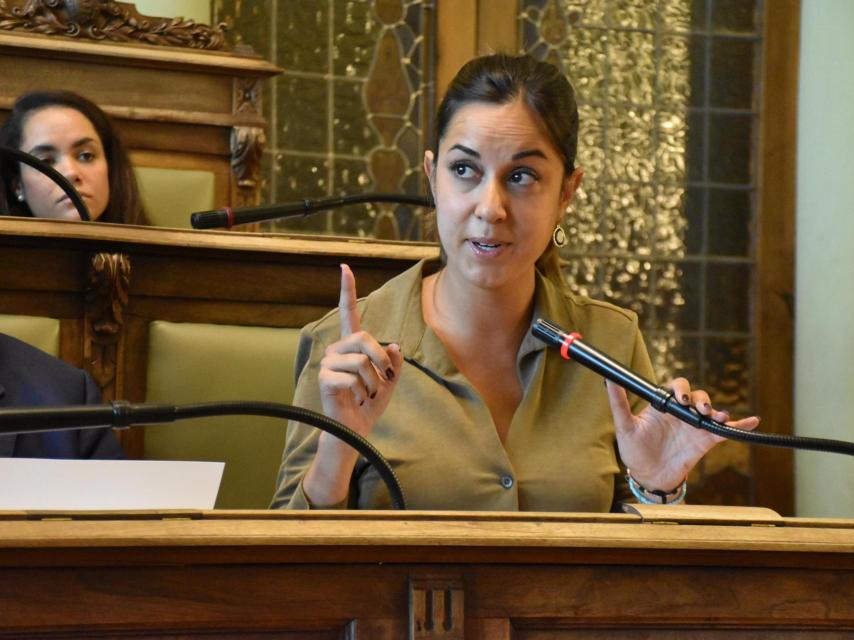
40, 484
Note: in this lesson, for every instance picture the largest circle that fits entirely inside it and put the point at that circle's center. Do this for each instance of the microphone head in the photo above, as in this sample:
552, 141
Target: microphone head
548, 332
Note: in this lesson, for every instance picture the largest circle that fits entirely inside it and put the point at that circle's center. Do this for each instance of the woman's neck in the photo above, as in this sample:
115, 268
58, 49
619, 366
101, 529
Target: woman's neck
459, 311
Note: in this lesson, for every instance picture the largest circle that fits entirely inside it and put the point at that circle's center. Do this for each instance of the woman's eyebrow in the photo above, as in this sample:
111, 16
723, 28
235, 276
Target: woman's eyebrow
528, 153
47, 148
466, 150
41, 148
516, 156
82, 141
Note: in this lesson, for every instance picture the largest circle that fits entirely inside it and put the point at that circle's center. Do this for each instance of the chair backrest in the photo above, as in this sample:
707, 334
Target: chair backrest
42, 333
194, 362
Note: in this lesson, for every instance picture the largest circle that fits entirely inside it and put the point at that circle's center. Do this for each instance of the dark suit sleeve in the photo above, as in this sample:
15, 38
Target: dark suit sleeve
100, 444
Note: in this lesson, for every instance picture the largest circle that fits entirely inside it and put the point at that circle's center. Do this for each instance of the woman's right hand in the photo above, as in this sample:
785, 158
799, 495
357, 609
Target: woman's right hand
357, 378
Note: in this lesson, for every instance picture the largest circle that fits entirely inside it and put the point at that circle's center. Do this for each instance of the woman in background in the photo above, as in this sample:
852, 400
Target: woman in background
75, 137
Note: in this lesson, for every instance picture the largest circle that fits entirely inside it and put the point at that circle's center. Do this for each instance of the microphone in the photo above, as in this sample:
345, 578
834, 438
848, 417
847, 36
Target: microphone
121, 414
54, 175
228, 217
572, 347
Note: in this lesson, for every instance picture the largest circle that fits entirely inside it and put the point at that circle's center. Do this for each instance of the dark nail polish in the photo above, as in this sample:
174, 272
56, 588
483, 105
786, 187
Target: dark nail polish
389, 373
685, 398
361, 403
707, 406
373, 395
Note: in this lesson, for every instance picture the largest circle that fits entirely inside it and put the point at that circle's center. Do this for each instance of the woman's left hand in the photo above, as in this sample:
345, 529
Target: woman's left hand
660, 449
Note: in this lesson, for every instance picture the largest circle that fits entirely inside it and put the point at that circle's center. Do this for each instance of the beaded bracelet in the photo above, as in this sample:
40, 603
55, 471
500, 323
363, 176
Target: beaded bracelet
656, 496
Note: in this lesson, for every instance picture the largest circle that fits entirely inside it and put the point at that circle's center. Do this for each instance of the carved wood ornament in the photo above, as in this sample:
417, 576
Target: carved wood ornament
106, 20
247, 146
106, 299
436, 608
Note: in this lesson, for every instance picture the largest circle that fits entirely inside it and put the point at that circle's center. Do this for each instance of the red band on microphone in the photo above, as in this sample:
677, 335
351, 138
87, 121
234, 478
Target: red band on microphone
230, 214
564, 347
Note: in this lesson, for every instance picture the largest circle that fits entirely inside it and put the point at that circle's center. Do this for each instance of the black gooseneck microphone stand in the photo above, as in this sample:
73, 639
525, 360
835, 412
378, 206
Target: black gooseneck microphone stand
572, 347
54, 175
228, 217
122, 414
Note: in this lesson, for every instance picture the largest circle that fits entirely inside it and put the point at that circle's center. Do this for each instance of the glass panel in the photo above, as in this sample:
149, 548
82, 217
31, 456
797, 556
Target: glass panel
632, 67
732, 73
351, 133
631, 14
632, 144
678, 296
629, 214
728, 373
731, 141
304, 125
299, 177
736, 16
695, 219
728, 307
355, 35
730, 214
296, 22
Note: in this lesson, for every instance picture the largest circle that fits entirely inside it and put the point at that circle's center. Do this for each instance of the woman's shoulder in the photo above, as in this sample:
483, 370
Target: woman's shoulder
600, 309
580, 310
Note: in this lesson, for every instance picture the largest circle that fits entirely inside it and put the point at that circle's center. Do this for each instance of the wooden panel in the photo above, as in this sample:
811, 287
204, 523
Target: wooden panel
124, 85
497, 26
456, 39
775, 308
167, 136
345, 575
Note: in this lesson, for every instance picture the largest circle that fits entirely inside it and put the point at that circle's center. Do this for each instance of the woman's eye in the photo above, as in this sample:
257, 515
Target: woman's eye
462, 170
48, 160
522, 178
86, 156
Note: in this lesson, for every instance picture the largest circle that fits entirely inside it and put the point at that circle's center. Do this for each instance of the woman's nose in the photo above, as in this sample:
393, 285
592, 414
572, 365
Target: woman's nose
490, 207
70, 170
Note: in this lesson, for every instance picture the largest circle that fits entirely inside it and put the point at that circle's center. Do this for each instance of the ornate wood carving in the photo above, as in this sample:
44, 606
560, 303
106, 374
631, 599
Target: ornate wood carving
247, 95
247, 146
107, 20
106, 298
436, 608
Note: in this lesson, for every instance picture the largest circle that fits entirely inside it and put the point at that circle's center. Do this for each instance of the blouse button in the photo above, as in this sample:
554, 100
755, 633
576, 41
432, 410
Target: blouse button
507, 482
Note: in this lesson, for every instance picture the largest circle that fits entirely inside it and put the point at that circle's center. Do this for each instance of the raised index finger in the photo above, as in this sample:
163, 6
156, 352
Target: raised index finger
347, 303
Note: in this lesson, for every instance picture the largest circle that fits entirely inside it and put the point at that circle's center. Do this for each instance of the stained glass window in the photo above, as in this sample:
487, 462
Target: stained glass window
351, 111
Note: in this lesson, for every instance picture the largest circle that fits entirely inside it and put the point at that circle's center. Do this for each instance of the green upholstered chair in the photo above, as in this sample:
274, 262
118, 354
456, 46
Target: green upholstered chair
189, 363
42, 333
171, 195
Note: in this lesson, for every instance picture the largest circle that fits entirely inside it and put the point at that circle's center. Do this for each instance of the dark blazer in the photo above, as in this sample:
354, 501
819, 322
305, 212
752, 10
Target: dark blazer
31, 378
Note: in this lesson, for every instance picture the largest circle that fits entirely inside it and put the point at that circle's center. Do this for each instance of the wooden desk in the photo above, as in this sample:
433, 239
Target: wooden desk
425, 575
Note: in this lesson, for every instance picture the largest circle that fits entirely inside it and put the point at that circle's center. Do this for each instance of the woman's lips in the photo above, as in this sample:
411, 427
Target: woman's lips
486, 247
65, 198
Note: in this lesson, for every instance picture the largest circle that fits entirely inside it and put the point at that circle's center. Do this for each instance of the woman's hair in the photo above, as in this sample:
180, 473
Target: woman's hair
502, 78
124, 204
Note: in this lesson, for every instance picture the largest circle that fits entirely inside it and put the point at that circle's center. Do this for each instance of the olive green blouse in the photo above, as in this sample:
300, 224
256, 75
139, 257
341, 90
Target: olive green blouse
438, 434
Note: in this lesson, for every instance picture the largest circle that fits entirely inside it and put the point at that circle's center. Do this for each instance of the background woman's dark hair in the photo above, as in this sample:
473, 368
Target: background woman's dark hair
502, 78
124, 204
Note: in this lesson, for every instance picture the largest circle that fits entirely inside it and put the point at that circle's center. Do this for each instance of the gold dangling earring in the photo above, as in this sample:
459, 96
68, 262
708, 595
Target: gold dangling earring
559, 237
